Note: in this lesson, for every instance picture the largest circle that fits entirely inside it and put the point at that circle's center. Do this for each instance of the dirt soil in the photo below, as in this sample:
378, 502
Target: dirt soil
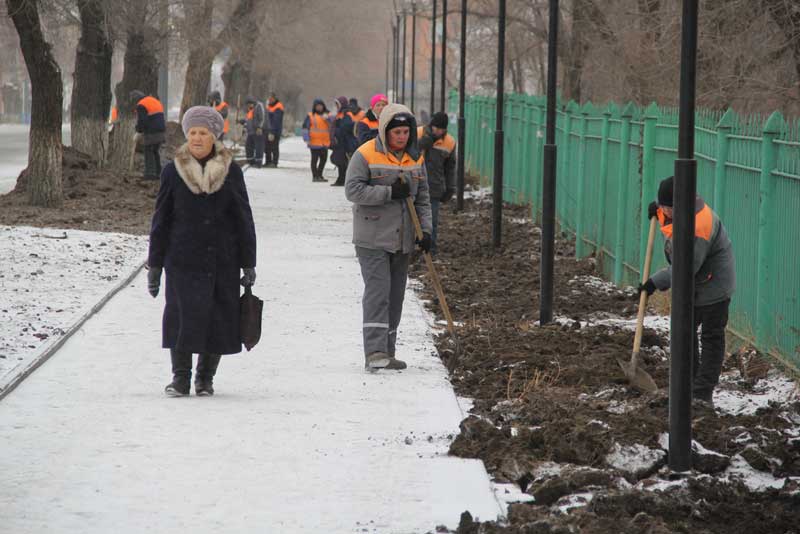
556, 394
95, 199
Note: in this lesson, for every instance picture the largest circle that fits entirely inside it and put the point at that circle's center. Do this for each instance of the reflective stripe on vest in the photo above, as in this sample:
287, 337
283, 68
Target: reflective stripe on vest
151, 105
220, 107
319, 133
379, 161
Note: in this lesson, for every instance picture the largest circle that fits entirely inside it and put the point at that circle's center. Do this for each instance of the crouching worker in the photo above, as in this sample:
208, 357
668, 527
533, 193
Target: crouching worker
714, 284
382, 175
202, 234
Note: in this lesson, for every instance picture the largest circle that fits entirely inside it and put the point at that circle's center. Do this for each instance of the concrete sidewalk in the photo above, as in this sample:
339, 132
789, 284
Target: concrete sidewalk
297, 439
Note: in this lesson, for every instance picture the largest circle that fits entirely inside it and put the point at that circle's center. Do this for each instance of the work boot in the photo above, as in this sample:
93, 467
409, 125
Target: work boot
181, 374
376, 360
204, 376
395, 364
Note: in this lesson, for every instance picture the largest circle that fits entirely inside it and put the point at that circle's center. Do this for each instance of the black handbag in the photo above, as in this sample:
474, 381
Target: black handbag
250, 309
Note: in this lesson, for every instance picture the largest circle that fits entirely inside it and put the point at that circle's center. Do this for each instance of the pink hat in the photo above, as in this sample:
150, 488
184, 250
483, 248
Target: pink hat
378, 98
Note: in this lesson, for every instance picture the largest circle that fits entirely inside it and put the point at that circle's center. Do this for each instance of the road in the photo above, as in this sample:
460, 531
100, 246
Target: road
14, 153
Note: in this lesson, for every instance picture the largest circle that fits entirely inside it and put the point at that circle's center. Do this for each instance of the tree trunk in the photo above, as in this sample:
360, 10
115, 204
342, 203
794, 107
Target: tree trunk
236, 77
44, 184
141, 73
91, 96
573, 70
201, 56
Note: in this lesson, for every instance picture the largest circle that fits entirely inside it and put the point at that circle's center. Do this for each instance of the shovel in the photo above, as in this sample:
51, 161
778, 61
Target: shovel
637, 376
437, 285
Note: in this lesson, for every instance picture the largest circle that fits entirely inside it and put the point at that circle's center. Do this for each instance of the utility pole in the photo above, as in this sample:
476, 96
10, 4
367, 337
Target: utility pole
433, 60
682, 331
443, 95
549, 176
497, 192
386, 78
163, 67
403, 76
462, 134
413, 52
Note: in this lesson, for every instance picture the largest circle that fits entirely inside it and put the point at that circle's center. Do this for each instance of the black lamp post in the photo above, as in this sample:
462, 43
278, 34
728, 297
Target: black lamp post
682, 330
497, 192
413, 52
433, 59
462, 134
403, 68
443, 94
549, 176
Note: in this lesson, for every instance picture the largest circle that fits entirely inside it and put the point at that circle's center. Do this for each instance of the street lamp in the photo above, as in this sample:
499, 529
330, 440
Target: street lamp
433, 60
497, 193
403, 76
413, 52
444, 56
549, 176
462, 137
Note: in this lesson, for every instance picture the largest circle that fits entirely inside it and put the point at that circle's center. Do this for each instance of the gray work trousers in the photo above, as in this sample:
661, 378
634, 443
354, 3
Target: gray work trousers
385, 278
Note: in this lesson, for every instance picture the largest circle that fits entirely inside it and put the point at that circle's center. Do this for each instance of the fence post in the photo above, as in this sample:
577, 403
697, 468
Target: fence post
767, 233
610, 110
580, 217
648, 175
565, 155
624, 166
724, 127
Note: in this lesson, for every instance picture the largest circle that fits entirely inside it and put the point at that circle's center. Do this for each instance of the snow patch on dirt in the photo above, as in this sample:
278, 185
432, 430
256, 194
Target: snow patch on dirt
776, 388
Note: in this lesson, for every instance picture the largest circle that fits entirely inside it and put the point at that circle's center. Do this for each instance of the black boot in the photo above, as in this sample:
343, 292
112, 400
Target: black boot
204, 377
181, 374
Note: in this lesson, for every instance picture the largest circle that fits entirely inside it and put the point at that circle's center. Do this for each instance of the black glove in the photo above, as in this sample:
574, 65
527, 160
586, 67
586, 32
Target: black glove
249, 277
400, 189
424, 244
153, 281
448, 194
242, 121
652, 209
648, 286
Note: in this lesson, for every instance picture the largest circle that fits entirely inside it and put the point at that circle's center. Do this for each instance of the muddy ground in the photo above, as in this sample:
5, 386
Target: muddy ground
95, 198
554, 414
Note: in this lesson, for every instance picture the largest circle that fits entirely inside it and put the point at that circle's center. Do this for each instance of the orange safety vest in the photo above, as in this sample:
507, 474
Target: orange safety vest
250, 114
151, 105
220, 107
373, 125
114, 115
319, 133
703, 223
275, 107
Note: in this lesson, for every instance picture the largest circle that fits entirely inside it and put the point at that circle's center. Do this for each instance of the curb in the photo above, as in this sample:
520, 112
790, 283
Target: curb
52, 349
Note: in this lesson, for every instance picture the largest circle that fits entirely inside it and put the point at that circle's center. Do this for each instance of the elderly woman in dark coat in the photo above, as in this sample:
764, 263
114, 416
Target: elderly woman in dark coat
202, 234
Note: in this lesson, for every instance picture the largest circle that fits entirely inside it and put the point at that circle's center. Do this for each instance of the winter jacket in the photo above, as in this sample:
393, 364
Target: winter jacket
344, 140
150, 120
440, 161
202, 234
274, 121
380, 222
254, 120
317, 127
714, 265
367, 128
223, 110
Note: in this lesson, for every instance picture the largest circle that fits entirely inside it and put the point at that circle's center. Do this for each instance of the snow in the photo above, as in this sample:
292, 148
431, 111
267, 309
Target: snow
741, 471
572, 501
775, 388
509, 493
659, 323
50, 278
633, 459
298, 437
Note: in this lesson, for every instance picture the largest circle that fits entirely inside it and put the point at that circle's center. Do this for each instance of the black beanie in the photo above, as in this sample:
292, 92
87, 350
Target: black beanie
665, 192
401, 119
440, 120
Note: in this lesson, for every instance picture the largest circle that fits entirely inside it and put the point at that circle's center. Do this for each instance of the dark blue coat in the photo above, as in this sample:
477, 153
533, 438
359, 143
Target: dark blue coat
345, 143
202, 240
274, 121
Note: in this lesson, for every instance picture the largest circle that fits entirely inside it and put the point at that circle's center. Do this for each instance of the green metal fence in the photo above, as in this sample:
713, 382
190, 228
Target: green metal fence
610, 161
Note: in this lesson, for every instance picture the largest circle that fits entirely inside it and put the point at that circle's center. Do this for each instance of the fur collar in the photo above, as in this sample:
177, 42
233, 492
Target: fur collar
203, 180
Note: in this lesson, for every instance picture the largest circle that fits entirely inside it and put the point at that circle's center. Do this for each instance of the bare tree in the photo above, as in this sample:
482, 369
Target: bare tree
91, 93
44, 174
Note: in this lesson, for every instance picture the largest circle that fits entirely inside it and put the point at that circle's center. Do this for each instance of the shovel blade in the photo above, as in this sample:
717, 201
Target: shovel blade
638, 377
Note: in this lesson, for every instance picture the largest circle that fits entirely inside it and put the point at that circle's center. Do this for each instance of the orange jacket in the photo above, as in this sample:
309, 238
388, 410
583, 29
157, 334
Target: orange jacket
222, 107
319, 132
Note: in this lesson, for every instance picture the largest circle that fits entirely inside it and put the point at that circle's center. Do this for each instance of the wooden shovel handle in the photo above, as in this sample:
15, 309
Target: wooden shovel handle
637, 339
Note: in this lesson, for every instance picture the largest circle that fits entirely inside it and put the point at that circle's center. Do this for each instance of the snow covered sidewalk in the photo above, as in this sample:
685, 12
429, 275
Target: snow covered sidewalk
297, 439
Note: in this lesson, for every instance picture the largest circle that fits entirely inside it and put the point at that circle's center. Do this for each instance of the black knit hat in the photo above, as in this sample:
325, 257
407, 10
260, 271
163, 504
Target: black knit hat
440, 120
665, 192
401, 119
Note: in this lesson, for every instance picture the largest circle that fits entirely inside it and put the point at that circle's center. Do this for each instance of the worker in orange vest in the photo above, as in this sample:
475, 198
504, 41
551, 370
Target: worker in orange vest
317, 135
216, 102
151, 124
273, 126
254, 123
367, 128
